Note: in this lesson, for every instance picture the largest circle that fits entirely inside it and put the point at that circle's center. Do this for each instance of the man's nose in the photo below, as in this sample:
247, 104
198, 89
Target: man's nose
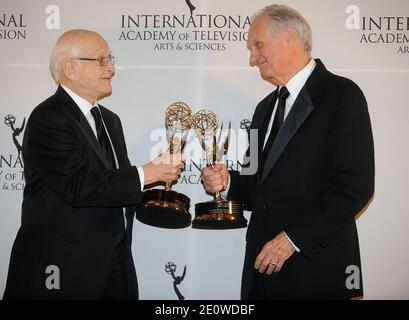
111, 68
253, 58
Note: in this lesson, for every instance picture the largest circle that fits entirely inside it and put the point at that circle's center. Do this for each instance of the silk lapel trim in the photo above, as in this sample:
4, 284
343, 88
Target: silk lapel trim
299, 113
84, 127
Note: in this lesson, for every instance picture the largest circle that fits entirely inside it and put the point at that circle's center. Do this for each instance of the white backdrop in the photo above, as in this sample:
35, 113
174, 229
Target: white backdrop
367, 42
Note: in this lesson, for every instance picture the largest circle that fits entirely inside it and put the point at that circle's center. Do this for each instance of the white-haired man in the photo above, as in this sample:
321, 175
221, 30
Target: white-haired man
315, 169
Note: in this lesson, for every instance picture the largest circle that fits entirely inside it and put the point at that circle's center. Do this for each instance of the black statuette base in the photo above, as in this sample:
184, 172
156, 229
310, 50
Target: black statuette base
165, 209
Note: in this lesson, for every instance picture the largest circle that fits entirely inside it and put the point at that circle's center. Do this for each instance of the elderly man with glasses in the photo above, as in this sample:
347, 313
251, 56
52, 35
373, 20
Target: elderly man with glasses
81, 189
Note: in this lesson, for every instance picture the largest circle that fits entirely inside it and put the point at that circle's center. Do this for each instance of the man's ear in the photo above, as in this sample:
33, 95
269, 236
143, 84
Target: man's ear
70, 69
292, 39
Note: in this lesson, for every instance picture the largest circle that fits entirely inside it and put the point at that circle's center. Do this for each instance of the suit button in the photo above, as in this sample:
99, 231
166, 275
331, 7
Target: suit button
264, 207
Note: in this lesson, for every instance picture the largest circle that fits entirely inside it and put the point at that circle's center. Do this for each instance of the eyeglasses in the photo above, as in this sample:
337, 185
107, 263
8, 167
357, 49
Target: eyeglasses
103, 61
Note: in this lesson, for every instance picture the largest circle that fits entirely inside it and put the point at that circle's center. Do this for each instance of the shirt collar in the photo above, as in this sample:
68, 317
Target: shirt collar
83, 104
296, 83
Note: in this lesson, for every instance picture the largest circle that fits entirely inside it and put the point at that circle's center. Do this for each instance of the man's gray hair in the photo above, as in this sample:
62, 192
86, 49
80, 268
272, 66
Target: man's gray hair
282, 17
67, 46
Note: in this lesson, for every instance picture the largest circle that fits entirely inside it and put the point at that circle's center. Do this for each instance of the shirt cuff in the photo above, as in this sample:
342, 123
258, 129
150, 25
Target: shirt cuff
295, 247
141, 177
226, 190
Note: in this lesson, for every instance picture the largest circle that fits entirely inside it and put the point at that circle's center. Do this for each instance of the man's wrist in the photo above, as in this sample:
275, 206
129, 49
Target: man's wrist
225, 190
295, 247
141, 174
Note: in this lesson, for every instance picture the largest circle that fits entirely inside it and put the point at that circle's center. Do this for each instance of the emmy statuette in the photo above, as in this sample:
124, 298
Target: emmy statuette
219, 213
167, 208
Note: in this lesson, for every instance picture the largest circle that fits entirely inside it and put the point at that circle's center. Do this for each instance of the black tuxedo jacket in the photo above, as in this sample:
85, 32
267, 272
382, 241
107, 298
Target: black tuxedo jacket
318, 175
72, 212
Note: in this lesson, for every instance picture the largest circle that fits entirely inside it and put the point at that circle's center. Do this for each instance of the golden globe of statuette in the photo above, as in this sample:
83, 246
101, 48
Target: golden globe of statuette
178, 115
204, 122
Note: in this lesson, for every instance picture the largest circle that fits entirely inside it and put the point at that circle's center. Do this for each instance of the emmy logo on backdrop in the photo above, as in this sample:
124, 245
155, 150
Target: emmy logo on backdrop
191, 6
245, 124
170, 268
167, 208
219, 213
10, 120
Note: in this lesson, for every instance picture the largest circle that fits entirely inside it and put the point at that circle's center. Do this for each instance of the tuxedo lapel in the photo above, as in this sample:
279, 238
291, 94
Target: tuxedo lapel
114, 134
307, 100
300, 111
81, 123
263, 122
118, 143
84, 126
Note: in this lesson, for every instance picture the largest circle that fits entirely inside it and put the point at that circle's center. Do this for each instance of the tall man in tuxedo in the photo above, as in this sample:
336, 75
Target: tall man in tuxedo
81, 189
315, 170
